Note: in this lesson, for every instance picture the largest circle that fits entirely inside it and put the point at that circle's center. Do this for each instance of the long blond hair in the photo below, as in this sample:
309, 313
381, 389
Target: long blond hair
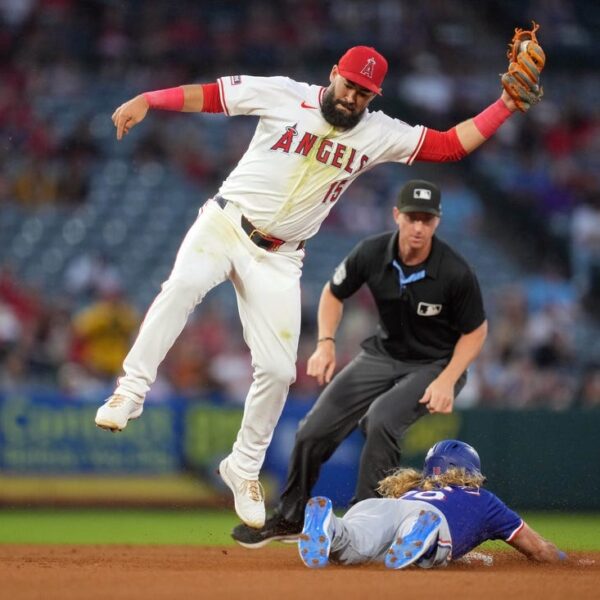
404, 480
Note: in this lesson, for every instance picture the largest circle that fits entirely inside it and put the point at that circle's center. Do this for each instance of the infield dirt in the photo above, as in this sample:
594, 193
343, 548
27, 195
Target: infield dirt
180, 572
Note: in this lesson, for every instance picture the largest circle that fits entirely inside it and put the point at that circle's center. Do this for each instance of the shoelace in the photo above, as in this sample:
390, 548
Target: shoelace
255, 490
116, 401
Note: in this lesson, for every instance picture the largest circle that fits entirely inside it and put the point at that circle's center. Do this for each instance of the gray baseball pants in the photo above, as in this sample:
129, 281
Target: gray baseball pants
374, 392
368, 529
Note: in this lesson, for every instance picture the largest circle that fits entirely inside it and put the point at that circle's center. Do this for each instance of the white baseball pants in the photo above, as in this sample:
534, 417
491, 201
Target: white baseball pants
267, 286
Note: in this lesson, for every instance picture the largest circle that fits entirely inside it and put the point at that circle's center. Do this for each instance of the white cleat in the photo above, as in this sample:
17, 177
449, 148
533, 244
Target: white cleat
116, 411
248, 496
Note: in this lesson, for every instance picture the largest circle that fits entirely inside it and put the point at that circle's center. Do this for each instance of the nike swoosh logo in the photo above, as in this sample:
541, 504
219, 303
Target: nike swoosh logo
304, 105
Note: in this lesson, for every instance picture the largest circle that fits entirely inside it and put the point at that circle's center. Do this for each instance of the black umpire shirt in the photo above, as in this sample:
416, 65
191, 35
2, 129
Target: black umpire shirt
423, 309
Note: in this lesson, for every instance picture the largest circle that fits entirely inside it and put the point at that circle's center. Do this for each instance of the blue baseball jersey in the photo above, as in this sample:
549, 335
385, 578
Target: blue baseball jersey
473, 516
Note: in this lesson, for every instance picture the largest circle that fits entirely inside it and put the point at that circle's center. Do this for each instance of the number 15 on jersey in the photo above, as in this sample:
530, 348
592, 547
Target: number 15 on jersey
335, 190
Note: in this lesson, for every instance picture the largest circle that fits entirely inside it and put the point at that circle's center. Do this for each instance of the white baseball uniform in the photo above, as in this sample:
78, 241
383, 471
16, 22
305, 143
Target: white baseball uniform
294, 170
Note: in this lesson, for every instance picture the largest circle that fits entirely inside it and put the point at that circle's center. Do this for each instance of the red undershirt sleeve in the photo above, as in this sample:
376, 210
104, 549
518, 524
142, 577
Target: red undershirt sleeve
441, 146
212, 101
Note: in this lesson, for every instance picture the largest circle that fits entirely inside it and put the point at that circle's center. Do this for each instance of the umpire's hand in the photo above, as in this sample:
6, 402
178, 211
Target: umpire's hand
322, 362
439, 396
129, 114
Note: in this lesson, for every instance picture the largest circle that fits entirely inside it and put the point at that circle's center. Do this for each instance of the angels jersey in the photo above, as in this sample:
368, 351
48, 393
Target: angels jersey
297, 164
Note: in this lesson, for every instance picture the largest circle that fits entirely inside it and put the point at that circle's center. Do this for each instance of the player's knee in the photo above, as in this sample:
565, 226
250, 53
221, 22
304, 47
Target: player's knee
375, 424
278, 373
310, 432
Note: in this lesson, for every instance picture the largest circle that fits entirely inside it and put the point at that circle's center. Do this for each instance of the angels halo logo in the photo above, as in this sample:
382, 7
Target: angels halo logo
368, 69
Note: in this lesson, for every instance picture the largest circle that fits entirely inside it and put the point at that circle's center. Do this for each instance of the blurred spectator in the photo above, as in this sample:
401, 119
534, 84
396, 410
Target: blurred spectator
360, 211
73, 183
549, 286
549, 336
15, 12
103, 332
508, 322
585, 242
13, 373
189, 368
50, 342
427, 86
10, 330
590, 392
188, 364
529, 359
232, 369
23, 301
77, 154
88, 274
76, 383
35, 183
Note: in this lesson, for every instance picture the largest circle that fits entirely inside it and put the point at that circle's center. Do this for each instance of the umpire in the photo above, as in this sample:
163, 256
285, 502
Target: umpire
432, 325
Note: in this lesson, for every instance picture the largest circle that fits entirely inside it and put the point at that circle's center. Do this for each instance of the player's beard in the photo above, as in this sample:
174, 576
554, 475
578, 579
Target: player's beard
334, 116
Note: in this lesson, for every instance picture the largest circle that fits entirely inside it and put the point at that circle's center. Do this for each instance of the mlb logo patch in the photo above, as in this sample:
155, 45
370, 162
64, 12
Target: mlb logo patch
421, 194
235, 79
425, 309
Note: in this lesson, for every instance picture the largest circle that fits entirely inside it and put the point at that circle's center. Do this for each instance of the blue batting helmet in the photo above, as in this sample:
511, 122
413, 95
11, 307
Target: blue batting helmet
451, 453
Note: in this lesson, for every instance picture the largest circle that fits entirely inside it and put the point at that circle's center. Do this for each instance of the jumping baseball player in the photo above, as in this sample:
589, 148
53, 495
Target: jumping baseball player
425, 519
309, 145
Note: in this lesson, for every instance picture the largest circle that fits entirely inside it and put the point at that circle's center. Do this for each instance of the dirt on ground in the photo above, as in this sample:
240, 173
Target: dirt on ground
275, 572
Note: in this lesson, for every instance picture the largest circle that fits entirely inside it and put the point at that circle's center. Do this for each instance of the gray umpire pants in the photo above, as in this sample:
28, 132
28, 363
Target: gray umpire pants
374, 392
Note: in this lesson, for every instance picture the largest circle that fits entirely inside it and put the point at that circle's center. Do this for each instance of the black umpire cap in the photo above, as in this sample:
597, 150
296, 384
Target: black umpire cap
420, 196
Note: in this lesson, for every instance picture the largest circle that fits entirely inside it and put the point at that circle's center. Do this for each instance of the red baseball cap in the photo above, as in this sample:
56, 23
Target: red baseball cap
364, 66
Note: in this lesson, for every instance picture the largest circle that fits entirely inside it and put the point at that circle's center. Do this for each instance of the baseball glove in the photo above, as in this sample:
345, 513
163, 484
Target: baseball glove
526, 61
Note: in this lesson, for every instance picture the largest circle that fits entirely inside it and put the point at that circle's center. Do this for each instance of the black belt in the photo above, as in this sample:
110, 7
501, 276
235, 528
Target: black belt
262, 240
